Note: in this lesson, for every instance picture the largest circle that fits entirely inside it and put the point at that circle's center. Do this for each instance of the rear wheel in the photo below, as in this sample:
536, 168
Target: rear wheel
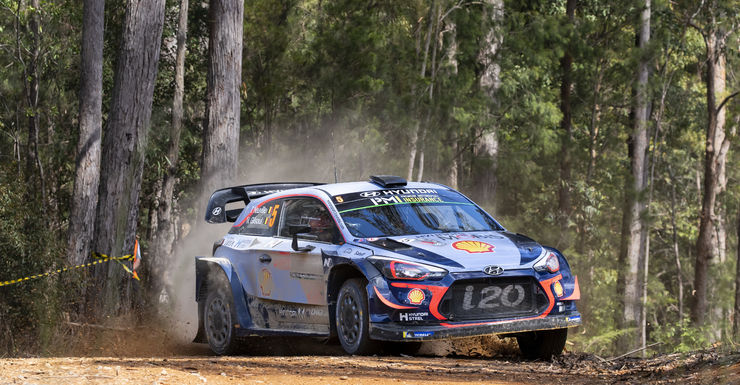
352, 319
542, 344
219, 318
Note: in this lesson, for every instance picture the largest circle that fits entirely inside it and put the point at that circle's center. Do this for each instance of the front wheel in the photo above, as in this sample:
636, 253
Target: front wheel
542, 344
352, 319
219, 318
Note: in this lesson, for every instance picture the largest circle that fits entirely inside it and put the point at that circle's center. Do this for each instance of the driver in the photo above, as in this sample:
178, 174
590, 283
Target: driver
322, 226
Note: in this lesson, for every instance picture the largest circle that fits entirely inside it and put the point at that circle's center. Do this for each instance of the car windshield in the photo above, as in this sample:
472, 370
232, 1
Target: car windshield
410, 211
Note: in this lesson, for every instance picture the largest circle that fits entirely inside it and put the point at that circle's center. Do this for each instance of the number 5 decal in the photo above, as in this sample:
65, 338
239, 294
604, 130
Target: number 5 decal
271, 220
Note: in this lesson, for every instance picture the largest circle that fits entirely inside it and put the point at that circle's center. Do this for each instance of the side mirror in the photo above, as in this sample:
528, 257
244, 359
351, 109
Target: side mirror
294, 230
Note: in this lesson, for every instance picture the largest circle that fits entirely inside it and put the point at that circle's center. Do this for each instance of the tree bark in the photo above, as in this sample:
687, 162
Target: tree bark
714, 162
165, 238
221, 134
632, 256
124, 147
736, 312
566, 125
87, 163
490, 82
676, 253
414, 140
34, 168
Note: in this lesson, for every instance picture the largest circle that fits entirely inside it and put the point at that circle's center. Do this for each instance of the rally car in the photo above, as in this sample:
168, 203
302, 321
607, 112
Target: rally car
373, 264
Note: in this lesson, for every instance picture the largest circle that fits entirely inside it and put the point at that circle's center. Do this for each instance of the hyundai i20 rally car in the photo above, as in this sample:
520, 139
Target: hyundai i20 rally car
377, 263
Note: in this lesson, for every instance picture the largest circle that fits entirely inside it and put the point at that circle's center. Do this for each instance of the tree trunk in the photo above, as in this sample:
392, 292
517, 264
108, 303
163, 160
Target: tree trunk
676, 252
221, 134
736, 312
631, 271
34, 169
87, 164
124, 147
414, 141
165, 238
490, 82
593, 128
566, 125
714, 162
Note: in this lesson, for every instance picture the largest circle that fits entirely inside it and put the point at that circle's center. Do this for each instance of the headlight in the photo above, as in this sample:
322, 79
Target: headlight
397, 269
548, 263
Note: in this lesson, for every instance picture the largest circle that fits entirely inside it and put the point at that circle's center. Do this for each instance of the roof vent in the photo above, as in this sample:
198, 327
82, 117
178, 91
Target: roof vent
388, 180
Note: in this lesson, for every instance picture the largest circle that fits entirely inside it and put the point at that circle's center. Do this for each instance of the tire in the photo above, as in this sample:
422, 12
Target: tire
542, 344
219, 317
352, 319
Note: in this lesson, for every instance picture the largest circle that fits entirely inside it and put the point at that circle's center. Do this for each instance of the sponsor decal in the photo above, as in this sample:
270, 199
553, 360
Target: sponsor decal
339, 199
265, 281
557, 288
378, 201
370, 194
328, 263
300, 313
422, 241
574, 319
216, 211
413, 316
415, 296
417, 334
473, 246
493, 270
307, 276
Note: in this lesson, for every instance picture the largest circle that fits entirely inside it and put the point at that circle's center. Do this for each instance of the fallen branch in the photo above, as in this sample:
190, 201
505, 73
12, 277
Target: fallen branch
634, 351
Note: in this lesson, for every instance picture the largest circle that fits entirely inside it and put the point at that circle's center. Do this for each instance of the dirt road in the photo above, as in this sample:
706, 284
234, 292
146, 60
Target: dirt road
127, 360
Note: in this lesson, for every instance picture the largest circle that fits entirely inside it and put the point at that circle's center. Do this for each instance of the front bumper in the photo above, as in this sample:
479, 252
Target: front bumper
392, 331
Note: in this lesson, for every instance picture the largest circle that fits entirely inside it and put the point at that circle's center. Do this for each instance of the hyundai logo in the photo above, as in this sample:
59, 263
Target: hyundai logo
370, 194
493, 270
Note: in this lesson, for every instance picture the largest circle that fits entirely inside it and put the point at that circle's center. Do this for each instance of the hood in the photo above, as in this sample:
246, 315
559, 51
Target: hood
466, 251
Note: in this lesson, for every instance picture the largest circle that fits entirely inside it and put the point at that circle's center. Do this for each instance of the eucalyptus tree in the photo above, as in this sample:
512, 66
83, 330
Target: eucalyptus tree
123, 149
223, 111
716, 21
87, 162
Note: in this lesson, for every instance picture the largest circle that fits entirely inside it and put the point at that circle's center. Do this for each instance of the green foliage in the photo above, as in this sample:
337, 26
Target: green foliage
339, 83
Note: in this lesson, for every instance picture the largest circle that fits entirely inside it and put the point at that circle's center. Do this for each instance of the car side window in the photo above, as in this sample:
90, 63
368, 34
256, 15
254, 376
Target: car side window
312, 212
264, 221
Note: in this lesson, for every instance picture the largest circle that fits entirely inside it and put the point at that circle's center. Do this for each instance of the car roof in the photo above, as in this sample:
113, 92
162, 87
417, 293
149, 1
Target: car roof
351, 187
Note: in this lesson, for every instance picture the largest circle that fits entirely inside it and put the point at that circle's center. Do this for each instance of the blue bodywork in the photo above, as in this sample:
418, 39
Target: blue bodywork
280, 291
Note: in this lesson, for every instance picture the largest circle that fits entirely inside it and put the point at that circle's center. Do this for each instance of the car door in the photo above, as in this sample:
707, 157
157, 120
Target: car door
292, 283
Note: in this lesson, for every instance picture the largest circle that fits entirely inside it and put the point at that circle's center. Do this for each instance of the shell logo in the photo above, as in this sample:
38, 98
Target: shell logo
265, 281
473, 246
416, 296
558, 289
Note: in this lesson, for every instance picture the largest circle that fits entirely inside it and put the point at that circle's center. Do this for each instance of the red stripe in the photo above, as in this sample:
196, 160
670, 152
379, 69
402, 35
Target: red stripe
389, 303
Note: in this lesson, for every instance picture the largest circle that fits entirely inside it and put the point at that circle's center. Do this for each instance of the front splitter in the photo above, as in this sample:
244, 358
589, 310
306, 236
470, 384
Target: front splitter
393, 331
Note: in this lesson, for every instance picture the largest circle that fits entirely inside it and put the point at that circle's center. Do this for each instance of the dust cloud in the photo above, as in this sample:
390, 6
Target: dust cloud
178, 310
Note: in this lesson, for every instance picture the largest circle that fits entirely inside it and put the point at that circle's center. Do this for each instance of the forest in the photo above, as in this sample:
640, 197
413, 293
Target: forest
605, 129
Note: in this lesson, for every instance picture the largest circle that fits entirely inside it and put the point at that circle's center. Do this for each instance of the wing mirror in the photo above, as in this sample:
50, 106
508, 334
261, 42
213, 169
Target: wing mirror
294, 230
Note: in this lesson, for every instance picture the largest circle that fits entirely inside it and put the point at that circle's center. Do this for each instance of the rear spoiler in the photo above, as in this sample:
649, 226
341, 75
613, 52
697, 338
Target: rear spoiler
216, 210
